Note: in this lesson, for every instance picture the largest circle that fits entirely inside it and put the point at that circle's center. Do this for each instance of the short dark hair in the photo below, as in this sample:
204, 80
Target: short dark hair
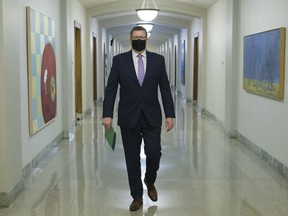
138, 28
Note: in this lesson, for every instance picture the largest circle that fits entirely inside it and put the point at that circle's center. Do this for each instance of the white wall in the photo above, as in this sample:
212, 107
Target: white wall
67, 28
17, 147
214, 78
33, 144
10, 140
260, 119
26, 147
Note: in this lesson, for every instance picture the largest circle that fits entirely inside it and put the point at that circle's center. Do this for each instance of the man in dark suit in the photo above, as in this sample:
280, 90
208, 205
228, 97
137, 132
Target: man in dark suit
139, 111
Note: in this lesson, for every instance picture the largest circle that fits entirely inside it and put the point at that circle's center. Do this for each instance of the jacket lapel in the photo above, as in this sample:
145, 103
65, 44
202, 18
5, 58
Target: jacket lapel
148, 65
130, 64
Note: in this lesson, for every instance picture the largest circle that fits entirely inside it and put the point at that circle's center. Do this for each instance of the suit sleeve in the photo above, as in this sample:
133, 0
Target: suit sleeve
110, 91
166, 94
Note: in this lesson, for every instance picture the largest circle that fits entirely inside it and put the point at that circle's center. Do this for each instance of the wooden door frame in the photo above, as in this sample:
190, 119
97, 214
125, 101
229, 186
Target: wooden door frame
78, 70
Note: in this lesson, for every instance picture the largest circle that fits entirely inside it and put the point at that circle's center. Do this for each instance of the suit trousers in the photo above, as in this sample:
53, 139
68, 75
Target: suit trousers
132, 139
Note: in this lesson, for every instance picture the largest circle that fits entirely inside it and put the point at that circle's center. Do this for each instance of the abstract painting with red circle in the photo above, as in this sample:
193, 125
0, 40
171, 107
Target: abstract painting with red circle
41, 59
48, 84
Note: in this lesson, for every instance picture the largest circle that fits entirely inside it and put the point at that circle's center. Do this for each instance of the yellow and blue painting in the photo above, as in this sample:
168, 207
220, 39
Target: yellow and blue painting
41, 69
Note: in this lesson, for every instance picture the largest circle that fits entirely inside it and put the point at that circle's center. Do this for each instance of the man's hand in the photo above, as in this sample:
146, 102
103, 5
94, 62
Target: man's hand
169, 123
107, 122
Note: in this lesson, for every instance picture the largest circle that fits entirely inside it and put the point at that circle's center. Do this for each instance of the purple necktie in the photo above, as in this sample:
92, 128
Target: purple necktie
140, 69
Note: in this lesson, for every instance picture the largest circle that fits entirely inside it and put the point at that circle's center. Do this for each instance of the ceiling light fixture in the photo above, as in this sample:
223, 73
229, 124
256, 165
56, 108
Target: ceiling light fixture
147, 14
147, 26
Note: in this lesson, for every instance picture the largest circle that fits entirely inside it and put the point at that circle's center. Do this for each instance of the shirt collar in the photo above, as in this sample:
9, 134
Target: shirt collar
135, 53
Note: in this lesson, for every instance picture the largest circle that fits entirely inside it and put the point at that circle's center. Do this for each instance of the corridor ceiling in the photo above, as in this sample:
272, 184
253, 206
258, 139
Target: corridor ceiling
119, 16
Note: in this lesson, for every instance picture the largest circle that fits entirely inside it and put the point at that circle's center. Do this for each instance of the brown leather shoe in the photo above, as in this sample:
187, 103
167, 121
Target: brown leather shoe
136, 204
152, 192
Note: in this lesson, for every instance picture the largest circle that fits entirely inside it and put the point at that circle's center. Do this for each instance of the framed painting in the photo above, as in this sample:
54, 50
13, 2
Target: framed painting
183, 63
264, 61
41, 69
175, 66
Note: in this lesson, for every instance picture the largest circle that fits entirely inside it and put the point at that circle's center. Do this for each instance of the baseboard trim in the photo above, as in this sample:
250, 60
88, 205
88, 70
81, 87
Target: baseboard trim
265, 156
45, 155
273, 162
7, 198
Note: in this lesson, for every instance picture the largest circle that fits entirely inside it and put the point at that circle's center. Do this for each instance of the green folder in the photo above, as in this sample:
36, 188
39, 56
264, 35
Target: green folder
110, 136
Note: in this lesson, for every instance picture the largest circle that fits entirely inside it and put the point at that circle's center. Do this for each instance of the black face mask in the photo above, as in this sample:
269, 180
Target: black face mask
139, 45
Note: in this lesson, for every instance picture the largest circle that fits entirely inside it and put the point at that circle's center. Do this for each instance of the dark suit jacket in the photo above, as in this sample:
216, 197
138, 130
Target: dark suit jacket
133, 97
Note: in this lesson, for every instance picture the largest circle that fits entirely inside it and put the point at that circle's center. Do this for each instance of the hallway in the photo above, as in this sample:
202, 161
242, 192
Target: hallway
202, 173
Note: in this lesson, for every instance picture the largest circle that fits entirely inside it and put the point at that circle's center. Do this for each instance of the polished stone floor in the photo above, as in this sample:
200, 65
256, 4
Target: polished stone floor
203, 173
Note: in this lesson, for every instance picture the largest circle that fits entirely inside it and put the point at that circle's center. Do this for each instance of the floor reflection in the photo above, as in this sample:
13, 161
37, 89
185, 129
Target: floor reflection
202, 173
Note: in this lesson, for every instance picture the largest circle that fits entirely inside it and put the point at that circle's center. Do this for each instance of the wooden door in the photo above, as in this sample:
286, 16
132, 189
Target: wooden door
195, 68
78, 70
94, 69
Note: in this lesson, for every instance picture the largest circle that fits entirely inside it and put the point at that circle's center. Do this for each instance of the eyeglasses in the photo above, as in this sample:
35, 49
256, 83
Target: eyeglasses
138, 38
